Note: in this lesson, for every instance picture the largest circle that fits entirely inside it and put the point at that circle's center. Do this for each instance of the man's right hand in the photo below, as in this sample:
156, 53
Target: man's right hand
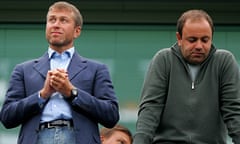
47, 90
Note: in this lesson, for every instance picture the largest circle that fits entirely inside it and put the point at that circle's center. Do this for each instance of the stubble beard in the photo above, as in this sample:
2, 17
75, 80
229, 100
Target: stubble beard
58, 43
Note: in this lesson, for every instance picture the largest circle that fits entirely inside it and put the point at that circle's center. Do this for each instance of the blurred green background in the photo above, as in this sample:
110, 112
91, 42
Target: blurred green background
126, 49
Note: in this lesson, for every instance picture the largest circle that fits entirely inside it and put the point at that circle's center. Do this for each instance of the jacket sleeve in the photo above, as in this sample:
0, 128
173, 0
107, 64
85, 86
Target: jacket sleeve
152, 102
18, 107
230, 95
99, 102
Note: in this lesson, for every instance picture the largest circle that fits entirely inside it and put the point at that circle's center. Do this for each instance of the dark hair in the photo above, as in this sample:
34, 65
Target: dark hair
107, 132
65, 5
193, 15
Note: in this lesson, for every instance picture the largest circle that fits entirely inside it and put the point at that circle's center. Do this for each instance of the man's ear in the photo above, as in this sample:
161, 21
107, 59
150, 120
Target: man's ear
77, 32
102, 139
179, 38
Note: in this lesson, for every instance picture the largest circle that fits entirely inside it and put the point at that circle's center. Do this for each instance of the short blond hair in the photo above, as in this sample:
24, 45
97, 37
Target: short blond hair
65, 5
107, 132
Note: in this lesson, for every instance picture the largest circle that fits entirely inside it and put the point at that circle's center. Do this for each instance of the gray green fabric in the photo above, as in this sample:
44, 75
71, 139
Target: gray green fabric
175, 109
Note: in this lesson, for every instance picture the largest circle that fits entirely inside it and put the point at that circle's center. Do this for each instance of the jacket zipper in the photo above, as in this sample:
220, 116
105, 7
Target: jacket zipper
193, 86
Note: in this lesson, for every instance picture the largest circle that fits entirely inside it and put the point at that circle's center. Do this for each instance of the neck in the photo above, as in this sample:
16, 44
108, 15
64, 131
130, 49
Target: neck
60, 49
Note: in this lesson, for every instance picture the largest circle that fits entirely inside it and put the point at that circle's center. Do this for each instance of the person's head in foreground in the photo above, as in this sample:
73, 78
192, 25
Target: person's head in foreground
116, 135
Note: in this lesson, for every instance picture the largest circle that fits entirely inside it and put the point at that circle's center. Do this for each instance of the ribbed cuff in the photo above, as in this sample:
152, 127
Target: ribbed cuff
141, 139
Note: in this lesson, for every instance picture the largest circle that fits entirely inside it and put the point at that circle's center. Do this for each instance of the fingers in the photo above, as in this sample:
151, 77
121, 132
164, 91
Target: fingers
58, 79
59, 73
47, 89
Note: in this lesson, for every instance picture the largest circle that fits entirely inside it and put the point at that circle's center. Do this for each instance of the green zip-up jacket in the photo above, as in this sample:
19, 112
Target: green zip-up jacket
174, 109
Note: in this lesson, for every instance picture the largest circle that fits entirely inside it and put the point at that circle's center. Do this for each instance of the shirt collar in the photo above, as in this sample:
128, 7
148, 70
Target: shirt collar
69, 52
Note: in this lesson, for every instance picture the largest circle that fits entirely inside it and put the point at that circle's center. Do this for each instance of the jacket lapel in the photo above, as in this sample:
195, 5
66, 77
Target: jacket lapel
76, 65
42, 65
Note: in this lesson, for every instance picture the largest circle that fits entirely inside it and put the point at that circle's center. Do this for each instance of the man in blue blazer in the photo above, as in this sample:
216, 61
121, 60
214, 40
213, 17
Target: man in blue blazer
60, 97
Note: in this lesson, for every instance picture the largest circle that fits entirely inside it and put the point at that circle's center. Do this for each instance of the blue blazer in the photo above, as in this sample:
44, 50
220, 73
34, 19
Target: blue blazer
95, 104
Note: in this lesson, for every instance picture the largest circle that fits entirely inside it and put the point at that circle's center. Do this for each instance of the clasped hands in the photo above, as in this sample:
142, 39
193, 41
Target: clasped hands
56, 81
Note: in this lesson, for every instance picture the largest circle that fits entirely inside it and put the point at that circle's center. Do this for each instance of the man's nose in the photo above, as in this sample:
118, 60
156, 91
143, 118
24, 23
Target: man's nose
199, 44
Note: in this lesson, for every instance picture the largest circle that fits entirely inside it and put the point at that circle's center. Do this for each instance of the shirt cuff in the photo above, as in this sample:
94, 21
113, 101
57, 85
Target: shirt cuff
41, 101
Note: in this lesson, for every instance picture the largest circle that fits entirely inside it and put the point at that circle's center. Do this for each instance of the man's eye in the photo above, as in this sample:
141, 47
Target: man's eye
51, 20
205, 40
192, 40
64, 21
121, 142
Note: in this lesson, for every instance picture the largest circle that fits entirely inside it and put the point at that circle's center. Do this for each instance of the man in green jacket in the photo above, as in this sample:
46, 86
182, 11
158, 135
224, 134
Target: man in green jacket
191, 93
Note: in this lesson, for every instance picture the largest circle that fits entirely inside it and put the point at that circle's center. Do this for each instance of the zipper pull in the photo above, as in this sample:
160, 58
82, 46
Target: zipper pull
192, 85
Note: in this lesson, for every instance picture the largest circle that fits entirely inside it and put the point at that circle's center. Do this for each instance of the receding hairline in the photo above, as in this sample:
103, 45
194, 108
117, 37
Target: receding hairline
62, 5
193, 15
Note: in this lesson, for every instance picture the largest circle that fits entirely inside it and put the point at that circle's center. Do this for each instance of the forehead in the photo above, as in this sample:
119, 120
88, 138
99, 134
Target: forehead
199, 21
197, 26
118, 135
60, 12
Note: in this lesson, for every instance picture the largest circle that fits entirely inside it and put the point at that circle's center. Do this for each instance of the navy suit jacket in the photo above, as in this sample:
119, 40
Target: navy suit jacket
95, 104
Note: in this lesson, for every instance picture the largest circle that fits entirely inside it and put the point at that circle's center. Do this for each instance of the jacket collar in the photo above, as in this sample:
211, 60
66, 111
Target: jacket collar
176, 50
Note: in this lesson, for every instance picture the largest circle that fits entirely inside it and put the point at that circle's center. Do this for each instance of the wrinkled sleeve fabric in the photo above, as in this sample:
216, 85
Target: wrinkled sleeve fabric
230, 94
153, 97
101, 104
18, 107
